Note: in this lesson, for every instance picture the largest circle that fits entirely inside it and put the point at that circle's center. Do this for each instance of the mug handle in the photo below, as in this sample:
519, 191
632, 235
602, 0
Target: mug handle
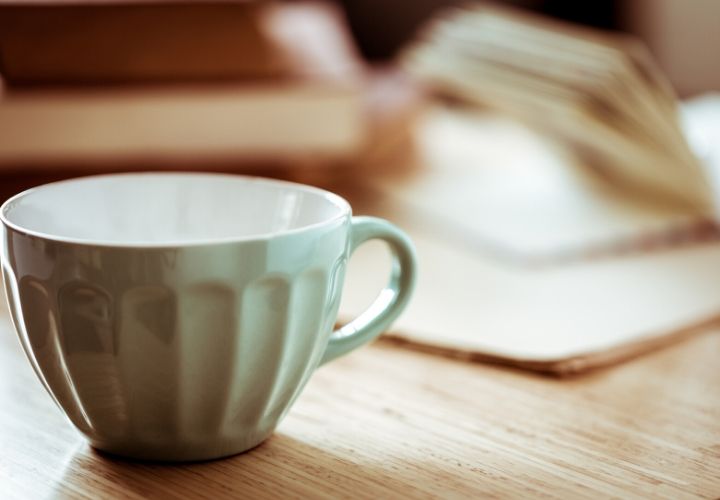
391, 300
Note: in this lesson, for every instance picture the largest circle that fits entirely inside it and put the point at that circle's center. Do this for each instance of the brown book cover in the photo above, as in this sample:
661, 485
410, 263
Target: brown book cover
121, 41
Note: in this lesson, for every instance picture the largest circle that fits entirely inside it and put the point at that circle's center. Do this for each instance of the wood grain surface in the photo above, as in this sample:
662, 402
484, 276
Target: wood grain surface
387, 422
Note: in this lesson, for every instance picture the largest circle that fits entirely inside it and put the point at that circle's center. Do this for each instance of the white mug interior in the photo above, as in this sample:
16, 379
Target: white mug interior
169, 209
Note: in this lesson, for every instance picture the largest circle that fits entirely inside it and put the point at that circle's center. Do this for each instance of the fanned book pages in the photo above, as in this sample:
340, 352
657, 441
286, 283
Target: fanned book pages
597, 94
527, 257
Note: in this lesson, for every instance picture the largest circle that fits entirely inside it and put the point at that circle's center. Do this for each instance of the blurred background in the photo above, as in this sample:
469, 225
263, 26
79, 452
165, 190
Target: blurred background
93, 87
565, 154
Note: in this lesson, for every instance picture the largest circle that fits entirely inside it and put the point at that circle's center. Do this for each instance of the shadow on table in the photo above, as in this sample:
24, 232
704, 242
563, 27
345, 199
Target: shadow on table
286, 467
282, 464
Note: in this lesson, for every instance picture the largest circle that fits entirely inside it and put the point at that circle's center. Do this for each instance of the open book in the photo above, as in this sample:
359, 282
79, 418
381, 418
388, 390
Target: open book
524, 262
529, 255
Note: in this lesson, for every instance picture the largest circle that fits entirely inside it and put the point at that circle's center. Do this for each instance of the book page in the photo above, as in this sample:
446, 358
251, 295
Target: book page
485, 181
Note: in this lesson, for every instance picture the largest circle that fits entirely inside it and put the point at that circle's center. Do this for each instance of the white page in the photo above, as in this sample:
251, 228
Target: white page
490, 181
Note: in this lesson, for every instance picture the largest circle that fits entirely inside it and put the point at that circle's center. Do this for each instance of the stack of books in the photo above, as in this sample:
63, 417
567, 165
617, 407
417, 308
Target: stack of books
157, 83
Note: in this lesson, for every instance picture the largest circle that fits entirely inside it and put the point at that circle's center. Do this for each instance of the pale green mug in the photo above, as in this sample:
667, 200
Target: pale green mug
178, 316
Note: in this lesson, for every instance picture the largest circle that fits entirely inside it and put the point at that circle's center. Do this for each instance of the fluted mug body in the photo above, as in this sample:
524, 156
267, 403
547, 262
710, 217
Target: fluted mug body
176, 350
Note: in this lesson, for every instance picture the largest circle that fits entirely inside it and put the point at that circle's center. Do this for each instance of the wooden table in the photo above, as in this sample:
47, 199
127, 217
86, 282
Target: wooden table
389, 422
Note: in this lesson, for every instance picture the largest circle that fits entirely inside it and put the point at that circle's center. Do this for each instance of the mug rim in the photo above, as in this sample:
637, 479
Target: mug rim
341, 203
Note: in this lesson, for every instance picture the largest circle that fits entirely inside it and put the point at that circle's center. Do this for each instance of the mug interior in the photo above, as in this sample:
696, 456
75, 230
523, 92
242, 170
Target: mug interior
169, 209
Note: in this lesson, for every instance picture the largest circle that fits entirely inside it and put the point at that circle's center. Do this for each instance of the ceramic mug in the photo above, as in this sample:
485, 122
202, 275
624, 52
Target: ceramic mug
179, 316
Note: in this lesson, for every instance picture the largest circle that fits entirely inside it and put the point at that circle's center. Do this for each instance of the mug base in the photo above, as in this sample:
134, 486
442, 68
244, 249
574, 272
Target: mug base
177, 453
